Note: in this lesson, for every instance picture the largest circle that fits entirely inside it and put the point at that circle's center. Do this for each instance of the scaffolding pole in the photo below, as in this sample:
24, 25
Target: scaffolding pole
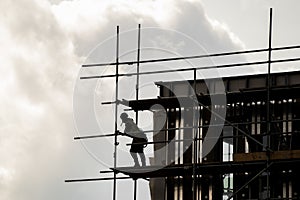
268, 99
95, 179
116, 116
195, 139
137, 91
199, 126
135, 189
198, 68
138, 70
193, 57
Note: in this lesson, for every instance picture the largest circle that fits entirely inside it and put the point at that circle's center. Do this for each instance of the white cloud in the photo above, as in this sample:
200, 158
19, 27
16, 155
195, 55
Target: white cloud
222, 28
38, 67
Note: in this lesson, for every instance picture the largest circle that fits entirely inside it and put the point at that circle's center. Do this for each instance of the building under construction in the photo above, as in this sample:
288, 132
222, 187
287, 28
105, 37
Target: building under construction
247, 160
233, 137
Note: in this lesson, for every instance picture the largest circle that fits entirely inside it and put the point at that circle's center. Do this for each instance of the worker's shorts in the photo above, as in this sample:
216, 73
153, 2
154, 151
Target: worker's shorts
137, 148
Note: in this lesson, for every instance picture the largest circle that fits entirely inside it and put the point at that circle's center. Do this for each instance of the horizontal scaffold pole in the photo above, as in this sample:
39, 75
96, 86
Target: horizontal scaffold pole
192, 57
195, 68
200, 126
95, 179
93, 136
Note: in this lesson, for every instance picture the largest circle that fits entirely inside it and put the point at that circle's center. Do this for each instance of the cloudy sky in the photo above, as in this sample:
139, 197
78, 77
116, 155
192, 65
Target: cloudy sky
42, 46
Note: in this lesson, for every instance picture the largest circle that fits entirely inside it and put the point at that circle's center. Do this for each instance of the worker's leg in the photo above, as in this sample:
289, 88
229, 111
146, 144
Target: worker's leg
143, 159
135, 159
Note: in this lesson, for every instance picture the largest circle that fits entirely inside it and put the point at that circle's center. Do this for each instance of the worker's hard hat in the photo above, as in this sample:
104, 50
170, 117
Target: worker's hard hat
124, 116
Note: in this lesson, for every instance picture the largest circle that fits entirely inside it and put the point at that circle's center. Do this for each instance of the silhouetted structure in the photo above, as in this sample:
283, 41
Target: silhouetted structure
258, 152
235, 158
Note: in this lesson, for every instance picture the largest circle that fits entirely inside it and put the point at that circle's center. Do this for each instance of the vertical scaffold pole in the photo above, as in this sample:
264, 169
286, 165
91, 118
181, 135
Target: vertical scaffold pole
135, 189
138, 69
268, 80
268, 97
137, 92
116, 115
195, 131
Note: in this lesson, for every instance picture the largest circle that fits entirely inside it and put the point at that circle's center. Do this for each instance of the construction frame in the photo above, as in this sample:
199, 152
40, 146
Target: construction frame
261, 131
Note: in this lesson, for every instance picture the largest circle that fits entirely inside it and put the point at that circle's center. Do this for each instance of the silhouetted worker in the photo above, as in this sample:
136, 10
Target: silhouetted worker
137, 146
